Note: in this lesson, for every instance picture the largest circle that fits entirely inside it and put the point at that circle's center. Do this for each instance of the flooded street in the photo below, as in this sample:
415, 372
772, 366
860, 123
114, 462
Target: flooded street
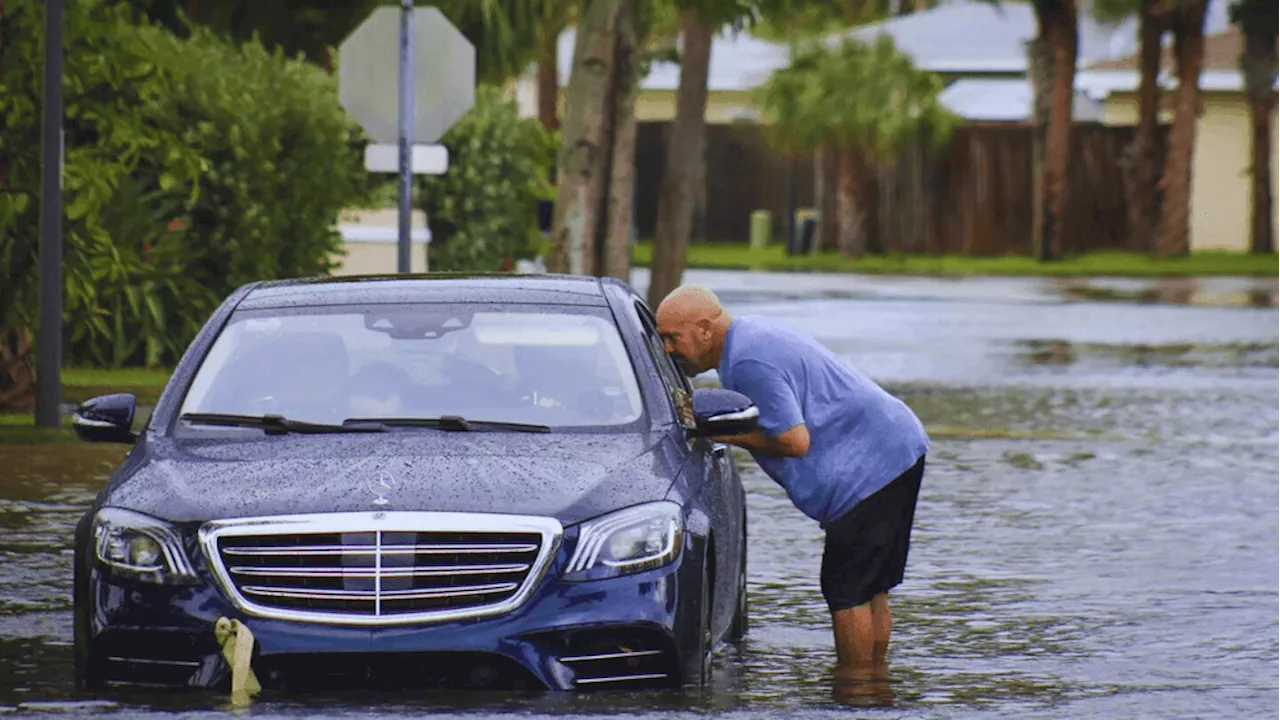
1096, 536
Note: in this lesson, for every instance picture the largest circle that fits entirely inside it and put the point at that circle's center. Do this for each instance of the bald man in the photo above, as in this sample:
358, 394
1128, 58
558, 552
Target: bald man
849, 454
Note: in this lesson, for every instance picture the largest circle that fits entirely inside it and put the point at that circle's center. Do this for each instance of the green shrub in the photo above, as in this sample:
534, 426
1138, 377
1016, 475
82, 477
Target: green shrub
483, 211
127, 176
283, 160
192, 166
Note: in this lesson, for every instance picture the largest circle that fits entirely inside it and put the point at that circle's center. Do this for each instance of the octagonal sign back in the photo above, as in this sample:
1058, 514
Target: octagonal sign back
444, 74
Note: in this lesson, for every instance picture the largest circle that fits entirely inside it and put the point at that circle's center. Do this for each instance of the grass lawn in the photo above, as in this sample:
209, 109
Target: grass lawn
79, 385
1113, 264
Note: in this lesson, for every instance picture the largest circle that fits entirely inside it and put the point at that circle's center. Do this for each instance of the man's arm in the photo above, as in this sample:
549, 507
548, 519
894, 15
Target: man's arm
782, 430
792, 443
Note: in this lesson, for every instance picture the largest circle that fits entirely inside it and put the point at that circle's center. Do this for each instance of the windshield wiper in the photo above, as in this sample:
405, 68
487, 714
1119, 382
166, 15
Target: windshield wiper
449, 422
278, 424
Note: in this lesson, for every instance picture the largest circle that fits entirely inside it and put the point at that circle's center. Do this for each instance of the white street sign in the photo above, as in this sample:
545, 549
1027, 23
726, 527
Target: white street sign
444, 74
425, 160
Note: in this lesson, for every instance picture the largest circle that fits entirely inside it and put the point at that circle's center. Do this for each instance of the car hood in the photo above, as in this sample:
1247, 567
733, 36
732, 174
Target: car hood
571, 477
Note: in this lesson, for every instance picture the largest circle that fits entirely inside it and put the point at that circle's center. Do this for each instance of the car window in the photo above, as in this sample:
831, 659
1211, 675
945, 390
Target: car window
674, 382
563, 368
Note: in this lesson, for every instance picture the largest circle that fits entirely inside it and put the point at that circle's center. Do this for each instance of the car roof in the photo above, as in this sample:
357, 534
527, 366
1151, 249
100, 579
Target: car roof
541, 289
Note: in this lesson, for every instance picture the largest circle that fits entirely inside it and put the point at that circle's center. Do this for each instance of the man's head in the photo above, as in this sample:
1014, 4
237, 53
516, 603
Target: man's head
693, 324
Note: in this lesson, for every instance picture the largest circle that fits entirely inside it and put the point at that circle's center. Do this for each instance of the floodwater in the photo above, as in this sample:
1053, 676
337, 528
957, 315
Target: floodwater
1096, 536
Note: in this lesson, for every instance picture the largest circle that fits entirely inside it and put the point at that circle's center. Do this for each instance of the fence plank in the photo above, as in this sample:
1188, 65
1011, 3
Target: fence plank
973, 196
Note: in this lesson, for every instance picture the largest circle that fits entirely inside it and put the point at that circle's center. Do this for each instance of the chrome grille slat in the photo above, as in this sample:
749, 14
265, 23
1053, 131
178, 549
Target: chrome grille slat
436, 549
611, 656
621, 678
371, 595
152, 661
380, 568
356, 572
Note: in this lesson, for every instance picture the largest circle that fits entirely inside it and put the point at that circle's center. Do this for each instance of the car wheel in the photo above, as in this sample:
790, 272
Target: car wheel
738, 629
704, 631
88, 673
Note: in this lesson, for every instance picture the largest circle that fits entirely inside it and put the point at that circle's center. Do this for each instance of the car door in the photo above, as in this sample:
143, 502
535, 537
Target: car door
716, 484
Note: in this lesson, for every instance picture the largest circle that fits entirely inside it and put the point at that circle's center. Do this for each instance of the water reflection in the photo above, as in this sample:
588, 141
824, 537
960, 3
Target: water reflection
1218, 292
863, 687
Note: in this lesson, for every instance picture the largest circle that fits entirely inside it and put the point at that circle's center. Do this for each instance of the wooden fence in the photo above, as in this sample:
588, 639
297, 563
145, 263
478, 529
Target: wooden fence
972, 197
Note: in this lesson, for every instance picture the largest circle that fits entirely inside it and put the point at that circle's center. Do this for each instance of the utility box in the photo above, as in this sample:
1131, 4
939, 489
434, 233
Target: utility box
761, 229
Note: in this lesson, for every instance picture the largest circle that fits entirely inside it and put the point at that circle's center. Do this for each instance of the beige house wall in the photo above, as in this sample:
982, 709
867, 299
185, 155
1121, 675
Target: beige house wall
1221, 203
723, 107
377, 257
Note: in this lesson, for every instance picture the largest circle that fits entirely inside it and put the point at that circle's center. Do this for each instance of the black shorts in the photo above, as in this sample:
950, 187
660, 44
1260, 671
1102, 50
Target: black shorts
866, 548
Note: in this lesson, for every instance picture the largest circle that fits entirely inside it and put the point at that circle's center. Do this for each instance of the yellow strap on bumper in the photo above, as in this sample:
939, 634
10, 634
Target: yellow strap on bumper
236, 641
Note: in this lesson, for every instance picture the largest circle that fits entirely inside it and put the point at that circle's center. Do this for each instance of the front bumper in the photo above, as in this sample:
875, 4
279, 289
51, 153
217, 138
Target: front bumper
627, 632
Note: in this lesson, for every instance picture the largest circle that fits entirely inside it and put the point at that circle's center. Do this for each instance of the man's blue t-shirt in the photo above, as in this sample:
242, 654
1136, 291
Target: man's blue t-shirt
860, 437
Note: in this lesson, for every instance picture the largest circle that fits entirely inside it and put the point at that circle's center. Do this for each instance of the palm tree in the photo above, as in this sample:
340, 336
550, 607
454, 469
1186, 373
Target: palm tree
1052, 64
1140, 160
676, 197
556, 16
1259, 20
865, 100
1188, 48
792, 22
586, 140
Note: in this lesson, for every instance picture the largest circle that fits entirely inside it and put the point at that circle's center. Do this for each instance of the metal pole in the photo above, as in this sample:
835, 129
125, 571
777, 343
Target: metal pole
406, 133
49, 361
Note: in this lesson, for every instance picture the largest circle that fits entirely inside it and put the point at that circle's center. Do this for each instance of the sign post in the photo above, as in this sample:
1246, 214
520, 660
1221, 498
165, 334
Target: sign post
435, 86
406, 132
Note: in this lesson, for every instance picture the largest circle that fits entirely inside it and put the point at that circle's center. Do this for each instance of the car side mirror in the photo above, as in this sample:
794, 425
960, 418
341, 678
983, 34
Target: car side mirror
106, 418
720, 412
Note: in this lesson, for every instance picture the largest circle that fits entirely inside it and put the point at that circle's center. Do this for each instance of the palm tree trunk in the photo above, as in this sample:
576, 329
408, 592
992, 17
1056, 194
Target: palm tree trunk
820, 196
849, 215
1188, 39
1040, 70
1258, 64
585, 145
549, 82
676, 197
622, 167
1140, 161
1062, 32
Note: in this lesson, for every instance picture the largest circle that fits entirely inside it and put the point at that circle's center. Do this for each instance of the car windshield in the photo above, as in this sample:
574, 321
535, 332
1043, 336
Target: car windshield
554, 367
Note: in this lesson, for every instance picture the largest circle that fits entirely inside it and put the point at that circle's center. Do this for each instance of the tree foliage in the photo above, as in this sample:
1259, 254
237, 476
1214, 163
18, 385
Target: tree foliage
192, 166
504, 32
862, 96
296, 27
507, 34
484, 210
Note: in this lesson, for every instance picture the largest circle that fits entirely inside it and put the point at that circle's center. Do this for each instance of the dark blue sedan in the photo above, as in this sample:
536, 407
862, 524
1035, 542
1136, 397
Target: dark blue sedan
482, 482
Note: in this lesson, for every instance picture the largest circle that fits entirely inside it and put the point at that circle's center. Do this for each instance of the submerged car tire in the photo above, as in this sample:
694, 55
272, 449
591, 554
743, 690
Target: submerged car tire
88, 674
706, 643
741, 621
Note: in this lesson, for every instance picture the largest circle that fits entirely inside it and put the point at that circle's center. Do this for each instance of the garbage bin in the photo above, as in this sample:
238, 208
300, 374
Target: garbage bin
806, 229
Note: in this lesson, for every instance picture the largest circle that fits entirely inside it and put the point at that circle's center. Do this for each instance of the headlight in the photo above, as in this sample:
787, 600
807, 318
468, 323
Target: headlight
141, 546
628, 541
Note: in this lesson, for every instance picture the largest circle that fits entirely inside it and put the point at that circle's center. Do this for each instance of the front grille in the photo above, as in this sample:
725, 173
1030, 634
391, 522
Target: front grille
380, 568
